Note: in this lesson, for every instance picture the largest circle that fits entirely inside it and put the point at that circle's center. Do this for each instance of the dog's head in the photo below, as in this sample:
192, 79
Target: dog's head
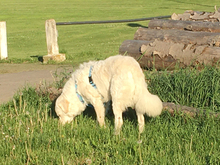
66, 110
62, 109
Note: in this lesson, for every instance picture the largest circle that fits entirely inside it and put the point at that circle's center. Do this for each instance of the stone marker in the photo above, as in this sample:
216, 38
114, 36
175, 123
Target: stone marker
52, 44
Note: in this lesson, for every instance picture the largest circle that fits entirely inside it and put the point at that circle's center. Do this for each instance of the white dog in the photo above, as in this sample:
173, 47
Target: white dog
119, 79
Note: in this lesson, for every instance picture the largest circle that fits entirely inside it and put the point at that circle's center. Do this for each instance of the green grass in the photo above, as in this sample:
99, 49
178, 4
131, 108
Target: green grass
30, 132
190, 87
26, 24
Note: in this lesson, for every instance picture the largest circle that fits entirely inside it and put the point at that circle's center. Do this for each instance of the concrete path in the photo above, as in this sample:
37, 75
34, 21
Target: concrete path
10, 83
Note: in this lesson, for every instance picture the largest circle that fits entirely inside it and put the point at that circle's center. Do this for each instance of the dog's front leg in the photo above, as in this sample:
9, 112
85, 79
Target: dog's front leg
100, 112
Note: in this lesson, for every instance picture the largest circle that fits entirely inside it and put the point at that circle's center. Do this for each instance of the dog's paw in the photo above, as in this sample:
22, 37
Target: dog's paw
102, 124
117, 132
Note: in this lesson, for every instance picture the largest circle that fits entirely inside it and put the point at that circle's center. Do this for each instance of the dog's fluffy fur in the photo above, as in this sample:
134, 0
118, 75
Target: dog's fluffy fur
119, 79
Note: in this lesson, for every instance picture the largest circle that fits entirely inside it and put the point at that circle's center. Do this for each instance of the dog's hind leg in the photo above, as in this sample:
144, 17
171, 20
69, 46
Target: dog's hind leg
118, 119
140, 122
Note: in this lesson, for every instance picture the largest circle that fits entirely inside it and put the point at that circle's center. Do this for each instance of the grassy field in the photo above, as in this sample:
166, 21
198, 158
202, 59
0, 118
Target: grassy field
29, 130
26, 24
31, 134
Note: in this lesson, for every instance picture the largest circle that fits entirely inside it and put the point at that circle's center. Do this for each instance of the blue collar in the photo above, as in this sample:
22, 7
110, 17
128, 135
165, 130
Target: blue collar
90, 78
78, 95
90, 81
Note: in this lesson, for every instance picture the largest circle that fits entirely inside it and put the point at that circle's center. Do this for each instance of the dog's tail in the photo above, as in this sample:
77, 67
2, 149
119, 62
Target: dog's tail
148, 103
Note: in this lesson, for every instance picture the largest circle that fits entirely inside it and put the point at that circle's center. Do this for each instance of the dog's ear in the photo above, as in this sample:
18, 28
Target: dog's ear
64, 105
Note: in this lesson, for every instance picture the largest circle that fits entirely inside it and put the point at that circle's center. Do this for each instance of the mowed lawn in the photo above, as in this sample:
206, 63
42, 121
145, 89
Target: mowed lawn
26, 24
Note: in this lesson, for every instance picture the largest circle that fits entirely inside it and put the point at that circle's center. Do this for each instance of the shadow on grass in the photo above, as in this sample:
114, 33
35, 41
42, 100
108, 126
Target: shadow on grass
136, 25
129, 115
39, 58
52, 112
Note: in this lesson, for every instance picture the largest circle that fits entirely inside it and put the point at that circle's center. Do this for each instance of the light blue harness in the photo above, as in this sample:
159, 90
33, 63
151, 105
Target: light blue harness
90, 81
90, 78
78, 95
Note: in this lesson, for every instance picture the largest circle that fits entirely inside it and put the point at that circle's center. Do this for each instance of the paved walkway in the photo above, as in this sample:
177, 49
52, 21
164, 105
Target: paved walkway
10, 83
